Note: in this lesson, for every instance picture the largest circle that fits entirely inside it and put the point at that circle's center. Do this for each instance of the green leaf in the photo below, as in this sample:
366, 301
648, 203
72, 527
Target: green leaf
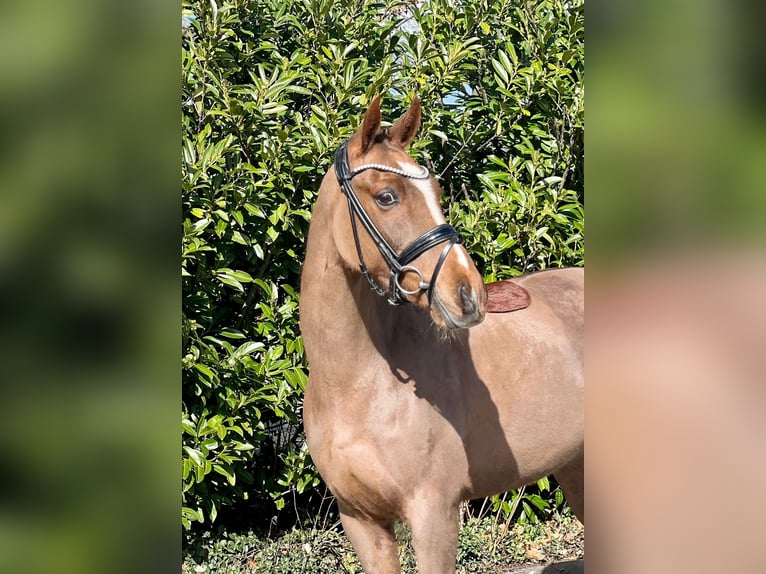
188, 427
192, 515
247, 348
213, 512
209, 444
225, 470
230, 333
194, 455
537, 501
207, 372
440, 134
233, 278
501, 71
273, 108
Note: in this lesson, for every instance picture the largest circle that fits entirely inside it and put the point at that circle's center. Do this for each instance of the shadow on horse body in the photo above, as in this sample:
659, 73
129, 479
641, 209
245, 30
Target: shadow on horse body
411, 409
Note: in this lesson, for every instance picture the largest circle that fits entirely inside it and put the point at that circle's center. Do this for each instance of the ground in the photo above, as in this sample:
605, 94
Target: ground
485, 546
568, 567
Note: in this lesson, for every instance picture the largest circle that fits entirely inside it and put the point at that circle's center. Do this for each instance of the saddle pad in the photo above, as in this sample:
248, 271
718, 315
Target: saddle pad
506, 296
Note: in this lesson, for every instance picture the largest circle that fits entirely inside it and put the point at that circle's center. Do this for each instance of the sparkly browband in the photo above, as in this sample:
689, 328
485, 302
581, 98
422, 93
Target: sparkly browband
424, 174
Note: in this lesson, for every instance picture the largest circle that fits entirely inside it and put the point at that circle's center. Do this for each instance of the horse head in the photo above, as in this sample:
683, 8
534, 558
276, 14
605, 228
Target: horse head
392, 226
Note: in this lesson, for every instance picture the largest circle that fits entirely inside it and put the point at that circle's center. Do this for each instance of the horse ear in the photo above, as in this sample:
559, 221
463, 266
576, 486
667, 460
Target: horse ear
404, 129
362, 140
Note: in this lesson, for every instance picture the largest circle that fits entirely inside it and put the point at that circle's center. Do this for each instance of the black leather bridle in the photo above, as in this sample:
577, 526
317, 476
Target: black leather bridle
397, 263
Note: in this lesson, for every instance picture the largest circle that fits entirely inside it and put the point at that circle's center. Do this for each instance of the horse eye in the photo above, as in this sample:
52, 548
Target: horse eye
387, 198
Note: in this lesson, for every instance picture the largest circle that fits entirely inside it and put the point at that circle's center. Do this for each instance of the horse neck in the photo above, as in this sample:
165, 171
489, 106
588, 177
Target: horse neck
327, 312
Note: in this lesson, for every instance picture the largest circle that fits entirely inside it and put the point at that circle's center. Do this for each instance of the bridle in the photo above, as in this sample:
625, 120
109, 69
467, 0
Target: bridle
397, 263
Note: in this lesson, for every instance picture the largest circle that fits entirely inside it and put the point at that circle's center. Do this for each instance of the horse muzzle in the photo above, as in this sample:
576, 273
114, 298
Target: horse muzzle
466, 307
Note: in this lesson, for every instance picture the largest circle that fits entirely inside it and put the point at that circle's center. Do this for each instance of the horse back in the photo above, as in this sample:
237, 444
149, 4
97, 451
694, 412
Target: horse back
562, 291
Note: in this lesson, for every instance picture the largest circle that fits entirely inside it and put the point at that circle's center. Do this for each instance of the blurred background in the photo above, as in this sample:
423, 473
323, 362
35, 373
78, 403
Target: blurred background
675, 282
89, 286
89, 206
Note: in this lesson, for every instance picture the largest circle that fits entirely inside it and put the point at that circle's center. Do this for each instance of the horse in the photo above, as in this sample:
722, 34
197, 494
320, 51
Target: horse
417, 398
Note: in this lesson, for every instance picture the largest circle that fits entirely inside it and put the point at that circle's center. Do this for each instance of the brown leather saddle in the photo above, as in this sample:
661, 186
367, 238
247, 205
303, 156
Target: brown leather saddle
506, 296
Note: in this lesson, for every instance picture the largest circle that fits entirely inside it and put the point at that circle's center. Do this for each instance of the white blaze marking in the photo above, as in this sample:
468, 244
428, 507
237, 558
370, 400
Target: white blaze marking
462, 256
425, 187
432, 202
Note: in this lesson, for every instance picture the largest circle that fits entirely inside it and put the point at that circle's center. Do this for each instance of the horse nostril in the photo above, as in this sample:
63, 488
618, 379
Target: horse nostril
467, 300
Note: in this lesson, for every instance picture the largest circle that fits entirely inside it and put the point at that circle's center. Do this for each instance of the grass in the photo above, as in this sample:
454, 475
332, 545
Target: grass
485, 545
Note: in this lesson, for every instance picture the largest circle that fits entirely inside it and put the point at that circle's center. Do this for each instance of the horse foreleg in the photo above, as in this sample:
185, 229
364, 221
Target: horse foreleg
373, 540
571, 478
434, 527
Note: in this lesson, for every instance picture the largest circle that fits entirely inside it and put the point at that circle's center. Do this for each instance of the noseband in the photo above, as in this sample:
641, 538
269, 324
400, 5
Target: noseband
397, 263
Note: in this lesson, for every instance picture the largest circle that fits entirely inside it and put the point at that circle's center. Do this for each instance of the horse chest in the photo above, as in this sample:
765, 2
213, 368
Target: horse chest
385, 441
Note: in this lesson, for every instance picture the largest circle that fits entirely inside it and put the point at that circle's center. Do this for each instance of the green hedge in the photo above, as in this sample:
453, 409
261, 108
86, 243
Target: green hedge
270, 89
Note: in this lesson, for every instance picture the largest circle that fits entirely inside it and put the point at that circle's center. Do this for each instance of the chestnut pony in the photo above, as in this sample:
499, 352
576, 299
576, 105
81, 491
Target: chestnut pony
417, 398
